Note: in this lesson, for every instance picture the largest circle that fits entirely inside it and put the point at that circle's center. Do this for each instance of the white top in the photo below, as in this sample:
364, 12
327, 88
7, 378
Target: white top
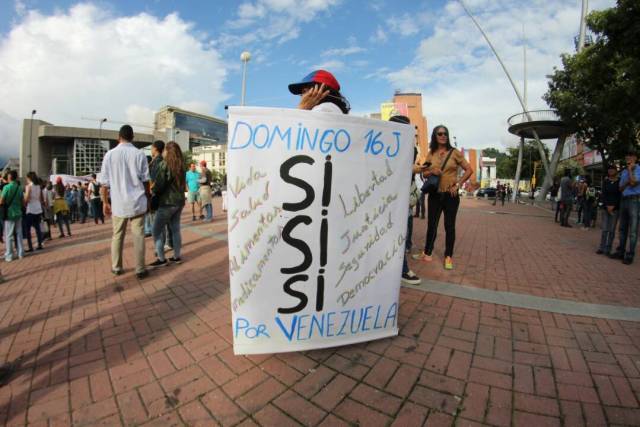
34, 206
49, 195
327, 107
124, 171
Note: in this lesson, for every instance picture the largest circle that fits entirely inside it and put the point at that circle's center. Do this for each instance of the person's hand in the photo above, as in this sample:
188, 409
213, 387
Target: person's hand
106, 209
417, 169
453, 190
312, 97
435, 171
610, 209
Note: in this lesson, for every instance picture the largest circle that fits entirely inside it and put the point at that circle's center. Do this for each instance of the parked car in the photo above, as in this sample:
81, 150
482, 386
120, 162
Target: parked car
487, 192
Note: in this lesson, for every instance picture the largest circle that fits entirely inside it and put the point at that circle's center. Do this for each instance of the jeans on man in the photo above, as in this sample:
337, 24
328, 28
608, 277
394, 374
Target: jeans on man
33, 220
565, 212
13, 231
629, 211
208, 209
420, 206
167, 215
609, 222
117, 243
148, 223
96, 205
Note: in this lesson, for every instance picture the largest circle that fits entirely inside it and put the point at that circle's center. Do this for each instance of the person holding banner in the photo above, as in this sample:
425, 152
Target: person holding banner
320, 91
443, 161
408, 276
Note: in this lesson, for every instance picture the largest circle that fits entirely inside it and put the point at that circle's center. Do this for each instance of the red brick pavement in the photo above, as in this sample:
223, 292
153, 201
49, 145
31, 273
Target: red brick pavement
91, 349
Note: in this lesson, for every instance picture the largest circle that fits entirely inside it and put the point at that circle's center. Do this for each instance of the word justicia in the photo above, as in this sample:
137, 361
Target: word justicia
298, 273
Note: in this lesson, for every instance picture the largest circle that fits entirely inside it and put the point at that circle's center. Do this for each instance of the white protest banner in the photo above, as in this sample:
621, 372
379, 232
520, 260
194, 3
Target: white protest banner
317, 210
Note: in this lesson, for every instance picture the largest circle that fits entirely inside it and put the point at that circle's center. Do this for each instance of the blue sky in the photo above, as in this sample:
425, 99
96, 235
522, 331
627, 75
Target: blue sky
124, 59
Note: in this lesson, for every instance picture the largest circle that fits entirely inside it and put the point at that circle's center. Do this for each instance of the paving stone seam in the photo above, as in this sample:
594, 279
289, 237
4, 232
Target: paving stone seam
531, 302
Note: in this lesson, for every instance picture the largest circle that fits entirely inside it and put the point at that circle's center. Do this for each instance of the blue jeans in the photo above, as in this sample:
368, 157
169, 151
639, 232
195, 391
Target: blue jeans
609, 222
208, 216
629, 212
167, 215
148, 222
13, 231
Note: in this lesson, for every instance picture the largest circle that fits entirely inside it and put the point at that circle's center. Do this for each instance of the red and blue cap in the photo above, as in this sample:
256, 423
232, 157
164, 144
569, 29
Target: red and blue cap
318, 76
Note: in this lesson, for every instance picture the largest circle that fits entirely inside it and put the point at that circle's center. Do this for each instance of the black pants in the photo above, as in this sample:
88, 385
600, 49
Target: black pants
97, 210
420, 206
439, 203
33, 220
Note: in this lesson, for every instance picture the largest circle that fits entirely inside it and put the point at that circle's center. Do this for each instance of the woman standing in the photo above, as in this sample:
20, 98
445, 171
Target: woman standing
61, 208
168, 188
33, 201
444, 161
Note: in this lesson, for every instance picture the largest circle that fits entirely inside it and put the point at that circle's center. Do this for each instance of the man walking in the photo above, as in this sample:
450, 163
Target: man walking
193, 190
629, 208
94, 199
11, 211
566, 198
125, 194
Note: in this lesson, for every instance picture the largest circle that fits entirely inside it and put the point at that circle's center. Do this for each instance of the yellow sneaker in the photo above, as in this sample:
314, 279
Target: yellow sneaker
422, 257
448, 263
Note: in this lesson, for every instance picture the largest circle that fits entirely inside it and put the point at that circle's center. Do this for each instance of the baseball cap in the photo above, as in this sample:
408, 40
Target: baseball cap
318, 76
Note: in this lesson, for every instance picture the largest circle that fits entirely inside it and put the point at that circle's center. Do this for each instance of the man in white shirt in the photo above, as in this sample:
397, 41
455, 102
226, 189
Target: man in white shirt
125, 195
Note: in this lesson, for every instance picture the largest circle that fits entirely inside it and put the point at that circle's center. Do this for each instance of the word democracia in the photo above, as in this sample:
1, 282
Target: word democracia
300, 138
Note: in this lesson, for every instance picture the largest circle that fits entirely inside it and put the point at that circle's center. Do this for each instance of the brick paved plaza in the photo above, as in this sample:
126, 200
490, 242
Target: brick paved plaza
92, 349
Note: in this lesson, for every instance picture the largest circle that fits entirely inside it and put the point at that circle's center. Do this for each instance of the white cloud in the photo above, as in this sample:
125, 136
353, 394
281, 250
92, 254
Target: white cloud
461, 81
20, 7
86, 62
344, 51
380, 36
331, 65
271, 21
405, 25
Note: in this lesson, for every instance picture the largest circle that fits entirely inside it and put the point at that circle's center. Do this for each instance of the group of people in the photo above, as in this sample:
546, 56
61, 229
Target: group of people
619, 199
503, 191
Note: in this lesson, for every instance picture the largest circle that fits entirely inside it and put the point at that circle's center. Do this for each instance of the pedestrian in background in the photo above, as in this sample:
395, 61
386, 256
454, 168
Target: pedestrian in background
61, 209
589, 204
629, 208
206, 179
566, 198
610, 200
193, 191
33, 201
125, 195
47, 209
11, 212
167, 188
94, 199
444, 161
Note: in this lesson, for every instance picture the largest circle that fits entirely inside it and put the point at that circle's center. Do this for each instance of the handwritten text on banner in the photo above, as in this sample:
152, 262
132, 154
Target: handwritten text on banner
317, 206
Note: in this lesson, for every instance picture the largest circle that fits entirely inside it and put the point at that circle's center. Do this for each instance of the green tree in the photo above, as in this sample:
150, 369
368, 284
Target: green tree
500, 158
188, 159
596, 91
530, 155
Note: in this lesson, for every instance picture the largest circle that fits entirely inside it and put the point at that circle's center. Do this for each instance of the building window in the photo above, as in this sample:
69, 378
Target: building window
223, 159
88, 155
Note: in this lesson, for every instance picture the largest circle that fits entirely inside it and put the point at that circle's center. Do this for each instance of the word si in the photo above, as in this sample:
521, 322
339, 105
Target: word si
301, 245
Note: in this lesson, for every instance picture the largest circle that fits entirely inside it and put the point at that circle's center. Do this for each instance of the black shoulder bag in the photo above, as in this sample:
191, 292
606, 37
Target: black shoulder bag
432, 183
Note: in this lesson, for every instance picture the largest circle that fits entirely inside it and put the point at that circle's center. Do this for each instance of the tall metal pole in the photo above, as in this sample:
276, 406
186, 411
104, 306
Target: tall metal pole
524, 51
543, 156
101, 123
583, 24
33, 113
518, 170
244, 57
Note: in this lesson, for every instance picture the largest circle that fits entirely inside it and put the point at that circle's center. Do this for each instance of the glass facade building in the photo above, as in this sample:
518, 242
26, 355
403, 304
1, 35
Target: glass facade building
88, 155
202, 131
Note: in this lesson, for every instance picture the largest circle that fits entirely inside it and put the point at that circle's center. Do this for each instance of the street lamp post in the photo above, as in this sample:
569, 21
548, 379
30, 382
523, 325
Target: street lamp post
33, 113
583, 24
102, 121
244, 57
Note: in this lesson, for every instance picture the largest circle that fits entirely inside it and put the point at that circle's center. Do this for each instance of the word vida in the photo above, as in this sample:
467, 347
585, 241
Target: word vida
298, 271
